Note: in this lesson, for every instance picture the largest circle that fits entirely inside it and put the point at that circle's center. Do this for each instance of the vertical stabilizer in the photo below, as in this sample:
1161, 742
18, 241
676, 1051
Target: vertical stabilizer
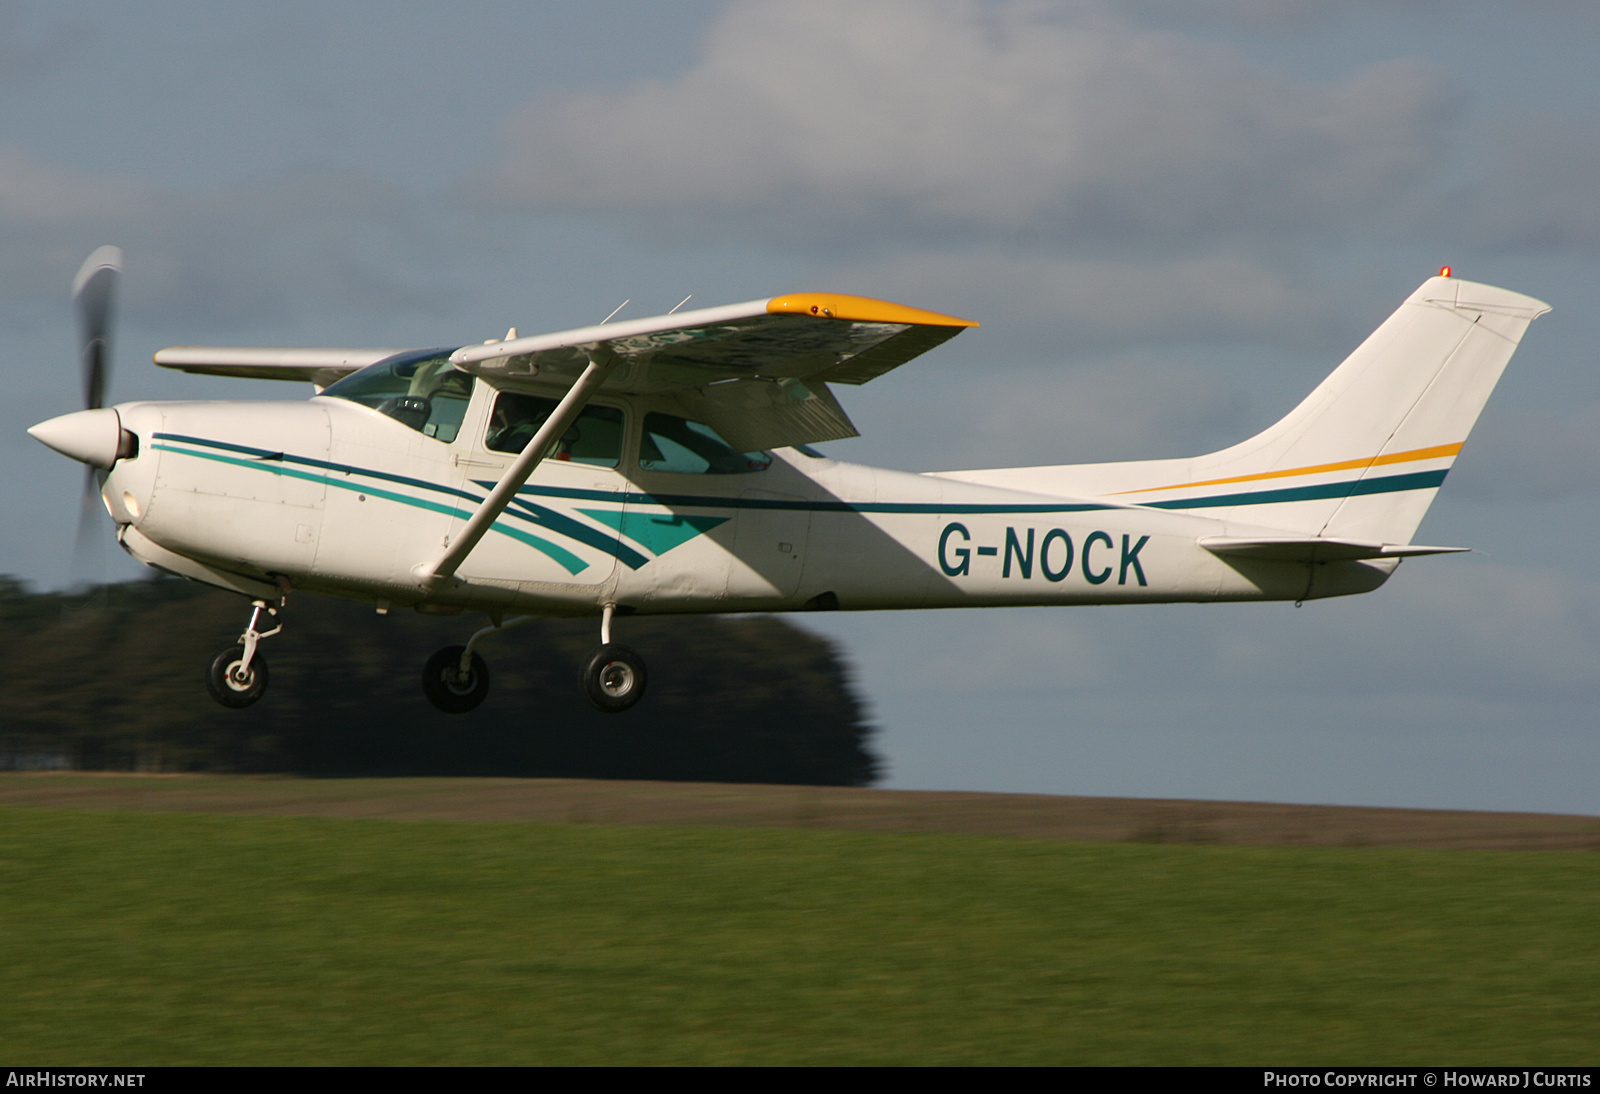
1364, 454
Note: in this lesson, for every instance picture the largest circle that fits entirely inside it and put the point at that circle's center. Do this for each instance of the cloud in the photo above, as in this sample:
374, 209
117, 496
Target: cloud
36, 193
1486, 629
1133, 406
51, 217
24, 55
971, 121
1300, 16
1522, 455
1442, 633
1451, 628
1531, 187
305, 241
1125, 406
1054, 305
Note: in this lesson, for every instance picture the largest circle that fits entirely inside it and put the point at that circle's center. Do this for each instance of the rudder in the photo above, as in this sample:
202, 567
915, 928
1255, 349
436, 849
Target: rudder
1363, 455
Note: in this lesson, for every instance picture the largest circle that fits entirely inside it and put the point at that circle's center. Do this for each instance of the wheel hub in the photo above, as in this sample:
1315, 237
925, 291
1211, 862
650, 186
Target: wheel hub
616, 679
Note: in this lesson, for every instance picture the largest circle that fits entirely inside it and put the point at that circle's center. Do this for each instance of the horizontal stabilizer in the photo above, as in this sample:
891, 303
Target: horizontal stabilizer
1316, 548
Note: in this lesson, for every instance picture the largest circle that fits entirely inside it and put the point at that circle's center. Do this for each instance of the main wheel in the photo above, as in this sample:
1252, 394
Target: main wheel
228, 685
613, 678
447, 689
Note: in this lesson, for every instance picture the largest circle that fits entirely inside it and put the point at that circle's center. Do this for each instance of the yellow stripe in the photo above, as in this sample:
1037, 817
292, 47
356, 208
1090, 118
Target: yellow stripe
861, 309
1436, 452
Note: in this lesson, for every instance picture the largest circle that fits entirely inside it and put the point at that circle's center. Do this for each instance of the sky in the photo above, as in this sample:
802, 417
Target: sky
1171, 217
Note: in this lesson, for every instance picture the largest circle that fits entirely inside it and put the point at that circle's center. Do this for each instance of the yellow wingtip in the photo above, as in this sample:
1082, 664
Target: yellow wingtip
861, 309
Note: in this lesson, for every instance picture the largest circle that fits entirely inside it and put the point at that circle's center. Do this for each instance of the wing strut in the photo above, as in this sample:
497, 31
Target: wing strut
602, 359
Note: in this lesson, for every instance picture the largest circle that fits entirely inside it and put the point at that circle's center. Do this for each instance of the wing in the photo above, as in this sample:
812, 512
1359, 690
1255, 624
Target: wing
317, 366
756, 372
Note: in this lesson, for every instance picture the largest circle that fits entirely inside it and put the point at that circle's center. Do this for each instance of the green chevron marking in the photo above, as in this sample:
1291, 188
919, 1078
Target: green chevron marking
658, 533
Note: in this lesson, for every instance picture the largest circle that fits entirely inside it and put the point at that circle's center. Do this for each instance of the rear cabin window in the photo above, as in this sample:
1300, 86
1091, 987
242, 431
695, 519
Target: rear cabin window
594, 439
692, 448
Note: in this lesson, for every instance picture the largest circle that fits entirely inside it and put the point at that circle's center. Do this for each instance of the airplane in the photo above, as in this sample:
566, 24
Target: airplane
665, 465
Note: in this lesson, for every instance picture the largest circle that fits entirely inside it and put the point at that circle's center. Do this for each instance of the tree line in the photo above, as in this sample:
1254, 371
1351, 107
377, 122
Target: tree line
114, 680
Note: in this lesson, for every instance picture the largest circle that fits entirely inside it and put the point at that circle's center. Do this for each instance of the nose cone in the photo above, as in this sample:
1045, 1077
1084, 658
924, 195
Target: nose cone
88, 436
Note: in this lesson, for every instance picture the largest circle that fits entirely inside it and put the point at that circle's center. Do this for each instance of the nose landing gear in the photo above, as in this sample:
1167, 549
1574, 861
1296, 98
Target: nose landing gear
237, 676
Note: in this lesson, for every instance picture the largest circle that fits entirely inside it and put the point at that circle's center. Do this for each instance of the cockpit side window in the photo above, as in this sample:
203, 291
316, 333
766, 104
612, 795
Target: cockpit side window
677, 444
420, 389
594, 439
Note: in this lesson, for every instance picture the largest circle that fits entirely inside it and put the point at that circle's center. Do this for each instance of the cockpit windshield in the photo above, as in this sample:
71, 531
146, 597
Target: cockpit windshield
419, 388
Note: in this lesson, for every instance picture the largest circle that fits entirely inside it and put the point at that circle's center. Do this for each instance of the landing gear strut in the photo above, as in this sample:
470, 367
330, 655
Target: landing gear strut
456, 679
613, 677
449, 687
237, 675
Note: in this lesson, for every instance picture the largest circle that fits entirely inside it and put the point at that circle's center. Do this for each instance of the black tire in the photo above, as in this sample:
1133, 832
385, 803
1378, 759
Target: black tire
227, 687
613, 678
444, 687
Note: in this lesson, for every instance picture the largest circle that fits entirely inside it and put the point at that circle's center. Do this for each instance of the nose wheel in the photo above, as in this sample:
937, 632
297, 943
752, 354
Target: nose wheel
237, 676
232, 681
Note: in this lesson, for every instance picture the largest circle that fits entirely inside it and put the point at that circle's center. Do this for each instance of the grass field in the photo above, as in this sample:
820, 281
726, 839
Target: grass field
135, 938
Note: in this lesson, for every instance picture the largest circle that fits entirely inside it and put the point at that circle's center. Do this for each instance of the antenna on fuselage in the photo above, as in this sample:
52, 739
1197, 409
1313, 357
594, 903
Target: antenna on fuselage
614, 311
682, 302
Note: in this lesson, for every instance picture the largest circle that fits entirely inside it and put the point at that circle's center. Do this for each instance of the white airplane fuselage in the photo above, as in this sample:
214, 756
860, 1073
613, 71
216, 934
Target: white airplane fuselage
330, 496
617, 470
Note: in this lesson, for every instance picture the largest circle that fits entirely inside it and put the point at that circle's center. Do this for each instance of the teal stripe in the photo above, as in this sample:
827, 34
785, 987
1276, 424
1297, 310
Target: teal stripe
326, 465
1416, 480
640, 498
658, 532
563, 525
910, 507
571, 562
568, 561
1420, 480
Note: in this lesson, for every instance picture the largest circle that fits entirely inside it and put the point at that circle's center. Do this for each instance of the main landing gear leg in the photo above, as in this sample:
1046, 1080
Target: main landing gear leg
613, 677
237, 676
456, 679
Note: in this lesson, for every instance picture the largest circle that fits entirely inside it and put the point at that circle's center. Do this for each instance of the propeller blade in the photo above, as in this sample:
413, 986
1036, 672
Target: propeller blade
88, 557
94, 293
94, 298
